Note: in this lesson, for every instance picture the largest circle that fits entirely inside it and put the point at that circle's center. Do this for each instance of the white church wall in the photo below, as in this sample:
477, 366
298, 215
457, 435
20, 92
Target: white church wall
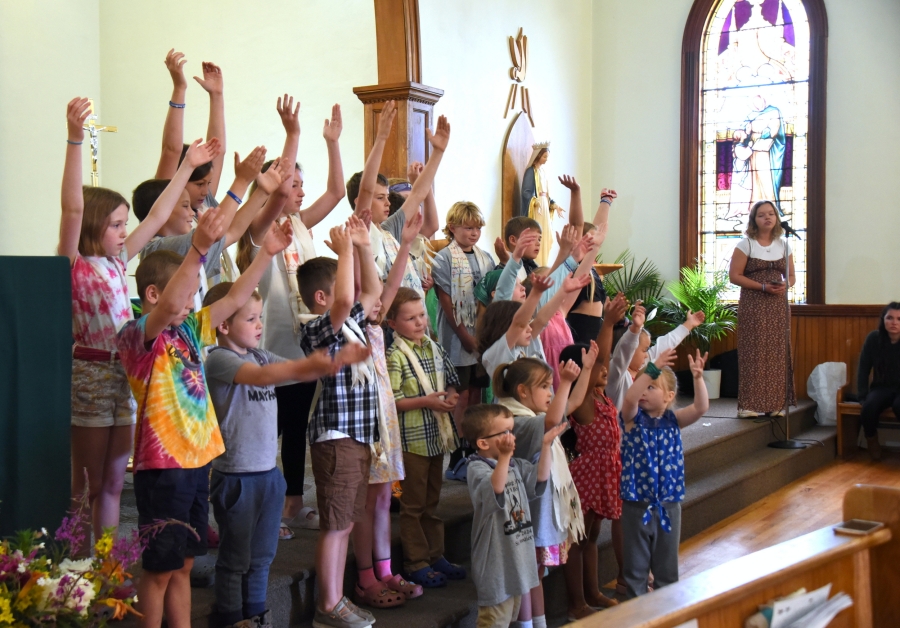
465, 53
636, 95
38, 77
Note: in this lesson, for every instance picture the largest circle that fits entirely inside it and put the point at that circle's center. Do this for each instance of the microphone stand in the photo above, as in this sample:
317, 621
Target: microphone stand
788, 442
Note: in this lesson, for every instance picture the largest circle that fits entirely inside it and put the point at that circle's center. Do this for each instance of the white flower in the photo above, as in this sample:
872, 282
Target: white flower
75, 566
44, 531
21, 568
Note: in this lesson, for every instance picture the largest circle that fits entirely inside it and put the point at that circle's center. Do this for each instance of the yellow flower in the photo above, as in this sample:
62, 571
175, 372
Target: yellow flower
6, 616
103, 545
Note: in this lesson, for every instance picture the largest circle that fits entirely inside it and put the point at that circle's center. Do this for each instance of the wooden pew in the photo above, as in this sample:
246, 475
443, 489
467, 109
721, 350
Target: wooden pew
725, 596
878, 503
848, 424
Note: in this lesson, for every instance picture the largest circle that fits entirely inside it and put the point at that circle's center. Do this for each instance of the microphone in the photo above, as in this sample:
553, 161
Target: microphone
788, 230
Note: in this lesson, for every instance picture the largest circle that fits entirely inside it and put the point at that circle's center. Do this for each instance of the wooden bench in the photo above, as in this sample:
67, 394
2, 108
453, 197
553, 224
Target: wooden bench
848, 424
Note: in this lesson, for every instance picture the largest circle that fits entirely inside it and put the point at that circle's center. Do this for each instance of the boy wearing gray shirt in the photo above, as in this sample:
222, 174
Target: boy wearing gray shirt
502, 533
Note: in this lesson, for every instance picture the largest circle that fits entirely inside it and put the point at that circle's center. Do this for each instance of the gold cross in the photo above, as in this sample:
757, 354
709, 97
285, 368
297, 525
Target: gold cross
93, 129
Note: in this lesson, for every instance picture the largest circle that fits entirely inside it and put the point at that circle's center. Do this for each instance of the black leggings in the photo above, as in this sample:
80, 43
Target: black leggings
294, 403
877, 401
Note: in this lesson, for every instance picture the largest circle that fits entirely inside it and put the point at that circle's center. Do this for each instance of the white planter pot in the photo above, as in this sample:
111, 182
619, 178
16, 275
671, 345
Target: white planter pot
713, 379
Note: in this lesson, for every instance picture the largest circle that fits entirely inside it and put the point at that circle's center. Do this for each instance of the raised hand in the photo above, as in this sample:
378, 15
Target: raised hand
574, 284
540, 283
568, 372
506, 444
351, 353
615, 308
175, 65
608, 194
567, 239
210, 229
694, 319
365, 215
212, 78
411, 229
198, 154
334, 126
414, 170
500, 250
386, 120
556, 430
638, 315
666, 358
569, 182
271, 179
249, 168
586, 245
526, 242
589, 357
358, 232
278, 238
697, 363
340, 242
77, 112
441, 137
289, 114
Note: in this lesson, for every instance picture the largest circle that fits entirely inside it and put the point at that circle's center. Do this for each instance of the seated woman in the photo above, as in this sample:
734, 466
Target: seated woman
880, 358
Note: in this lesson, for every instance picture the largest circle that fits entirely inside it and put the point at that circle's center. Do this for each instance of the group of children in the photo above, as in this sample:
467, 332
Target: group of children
350, 361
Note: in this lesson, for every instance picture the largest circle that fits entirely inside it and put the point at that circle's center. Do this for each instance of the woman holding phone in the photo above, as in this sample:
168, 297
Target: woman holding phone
763, 266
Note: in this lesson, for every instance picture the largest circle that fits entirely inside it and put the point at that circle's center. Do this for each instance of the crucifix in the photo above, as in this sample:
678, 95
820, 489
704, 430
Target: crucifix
94, 129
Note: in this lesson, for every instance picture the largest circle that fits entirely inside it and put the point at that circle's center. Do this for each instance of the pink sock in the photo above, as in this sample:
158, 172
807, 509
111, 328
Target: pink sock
366, 578
383, 569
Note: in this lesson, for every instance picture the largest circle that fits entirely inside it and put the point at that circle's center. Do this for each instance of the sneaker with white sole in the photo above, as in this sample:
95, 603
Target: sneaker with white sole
341, 616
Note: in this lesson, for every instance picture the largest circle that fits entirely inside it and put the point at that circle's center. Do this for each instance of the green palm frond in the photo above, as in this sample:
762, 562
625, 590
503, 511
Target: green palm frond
636, 281
698, 291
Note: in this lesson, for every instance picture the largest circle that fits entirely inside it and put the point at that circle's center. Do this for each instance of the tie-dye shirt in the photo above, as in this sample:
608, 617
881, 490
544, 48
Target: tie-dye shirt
100, 305
176, 422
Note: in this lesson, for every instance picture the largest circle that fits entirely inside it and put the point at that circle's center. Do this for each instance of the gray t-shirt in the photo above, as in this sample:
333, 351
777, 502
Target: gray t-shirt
248, 415
529, 432
181, 244
502, 535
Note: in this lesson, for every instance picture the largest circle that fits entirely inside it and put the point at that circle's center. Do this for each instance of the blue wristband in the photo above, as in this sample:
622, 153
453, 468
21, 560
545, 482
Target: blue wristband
606, 200
75, 143
177, 105
237, 199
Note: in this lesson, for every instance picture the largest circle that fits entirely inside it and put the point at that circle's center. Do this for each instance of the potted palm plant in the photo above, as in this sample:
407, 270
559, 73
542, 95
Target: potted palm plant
700, 291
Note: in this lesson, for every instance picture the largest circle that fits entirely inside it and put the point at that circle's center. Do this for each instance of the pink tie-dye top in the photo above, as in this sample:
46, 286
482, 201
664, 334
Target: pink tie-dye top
100, 305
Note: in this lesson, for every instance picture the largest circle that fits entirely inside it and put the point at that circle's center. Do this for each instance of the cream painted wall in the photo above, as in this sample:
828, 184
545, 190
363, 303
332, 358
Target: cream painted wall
636, 96
465, 53
37, 80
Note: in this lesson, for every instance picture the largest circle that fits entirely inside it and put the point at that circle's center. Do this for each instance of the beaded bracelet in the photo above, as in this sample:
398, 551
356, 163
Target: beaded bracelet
177, 105
202, 255
652, 370
75, 143
237, 199
607, 200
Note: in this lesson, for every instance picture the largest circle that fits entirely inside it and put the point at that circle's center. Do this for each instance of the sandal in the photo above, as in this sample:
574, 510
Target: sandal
427, 577
398, 584
601, 602
379, 596
285, 533
453, 572
303, 520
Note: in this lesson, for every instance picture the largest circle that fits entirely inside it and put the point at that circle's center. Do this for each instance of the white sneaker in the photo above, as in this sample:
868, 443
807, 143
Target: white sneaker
747, 414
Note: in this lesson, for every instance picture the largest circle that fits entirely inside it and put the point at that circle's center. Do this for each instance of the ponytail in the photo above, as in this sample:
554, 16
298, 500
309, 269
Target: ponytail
528, 371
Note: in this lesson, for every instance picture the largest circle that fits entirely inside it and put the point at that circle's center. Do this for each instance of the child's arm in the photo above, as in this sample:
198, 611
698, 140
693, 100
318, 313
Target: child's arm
691, 413
260, 205
570, 285
183, 284
584, 381
546, 459
522, 318
556, 413
72, 197
576, 213
277, 239
173, 130
309, 369
468, 341
643, 381
197, 155
674, 337
601, 217
613, 313
587, 248
439, 140
212, 83
334, 192
506, 283
370, 282
244, 173
411, 229
290, 119
430, 220
342, 246
373, 161
567, 240
507, 445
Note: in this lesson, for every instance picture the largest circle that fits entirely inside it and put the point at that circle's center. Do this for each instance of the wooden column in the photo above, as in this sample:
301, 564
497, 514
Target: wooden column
399, 76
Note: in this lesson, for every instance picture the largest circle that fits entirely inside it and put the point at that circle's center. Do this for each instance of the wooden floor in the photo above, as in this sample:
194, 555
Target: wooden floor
808, 504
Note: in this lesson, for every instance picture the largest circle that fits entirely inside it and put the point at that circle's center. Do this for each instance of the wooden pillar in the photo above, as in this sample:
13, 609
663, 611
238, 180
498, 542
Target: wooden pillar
399, 76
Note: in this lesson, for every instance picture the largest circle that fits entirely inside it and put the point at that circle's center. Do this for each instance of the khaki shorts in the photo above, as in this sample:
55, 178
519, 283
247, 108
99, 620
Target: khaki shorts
341, 470
501, 615
101, 396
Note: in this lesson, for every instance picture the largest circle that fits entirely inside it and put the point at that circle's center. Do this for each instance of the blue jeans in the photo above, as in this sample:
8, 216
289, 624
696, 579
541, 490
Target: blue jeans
247, 507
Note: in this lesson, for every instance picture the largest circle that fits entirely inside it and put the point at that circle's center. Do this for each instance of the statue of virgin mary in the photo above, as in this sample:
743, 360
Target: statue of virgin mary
536, 201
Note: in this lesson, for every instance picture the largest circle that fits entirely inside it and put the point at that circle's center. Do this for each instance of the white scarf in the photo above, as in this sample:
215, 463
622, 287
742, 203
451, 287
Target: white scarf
566, 504
445, 423
391, 250
462, 283
298, 251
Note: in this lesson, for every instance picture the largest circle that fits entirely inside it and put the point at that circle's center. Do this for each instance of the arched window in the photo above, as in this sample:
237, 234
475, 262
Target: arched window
753, 128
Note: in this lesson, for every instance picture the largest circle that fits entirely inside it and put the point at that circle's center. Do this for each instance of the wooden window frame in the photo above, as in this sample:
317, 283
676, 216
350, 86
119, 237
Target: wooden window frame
691, 73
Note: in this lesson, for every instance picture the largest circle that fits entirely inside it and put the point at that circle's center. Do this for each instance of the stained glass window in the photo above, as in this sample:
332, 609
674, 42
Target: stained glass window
754, 109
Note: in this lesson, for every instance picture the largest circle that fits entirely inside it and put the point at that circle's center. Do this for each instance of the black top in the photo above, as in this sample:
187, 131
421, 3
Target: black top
585, 294
884, 360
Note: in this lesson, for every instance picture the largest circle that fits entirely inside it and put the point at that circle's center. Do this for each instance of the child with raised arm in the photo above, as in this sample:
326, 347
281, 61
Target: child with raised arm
177, 432
652, 486
347, 423
93, 236
246, 486
501, 488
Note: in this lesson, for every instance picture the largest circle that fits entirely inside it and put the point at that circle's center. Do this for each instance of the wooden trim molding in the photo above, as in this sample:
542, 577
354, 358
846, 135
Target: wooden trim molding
689, 237
415, 92
814, 309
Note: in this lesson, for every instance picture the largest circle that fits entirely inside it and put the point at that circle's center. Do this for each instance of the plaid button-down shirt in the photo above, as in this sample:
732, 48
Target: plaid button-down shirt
419, 430
341, 408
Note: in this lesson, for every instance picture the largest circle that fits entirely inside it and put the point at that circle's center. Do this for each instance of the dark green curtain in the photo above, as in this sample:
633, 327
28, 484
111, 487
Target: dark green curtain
35, 382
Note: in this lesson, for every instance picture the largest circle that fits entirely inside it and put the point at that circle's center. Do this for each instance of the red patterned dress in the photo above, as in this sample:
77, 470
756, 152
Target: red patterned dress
597, 469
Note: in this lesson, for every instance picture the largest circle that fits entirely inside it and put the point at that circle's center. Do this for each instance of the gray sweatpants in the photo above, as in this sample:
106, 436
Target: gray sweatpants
649, 547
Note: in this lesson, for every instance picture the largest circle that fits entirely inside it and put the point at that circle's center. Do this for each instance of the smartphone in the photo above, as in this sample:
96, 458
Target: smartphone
857, 527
